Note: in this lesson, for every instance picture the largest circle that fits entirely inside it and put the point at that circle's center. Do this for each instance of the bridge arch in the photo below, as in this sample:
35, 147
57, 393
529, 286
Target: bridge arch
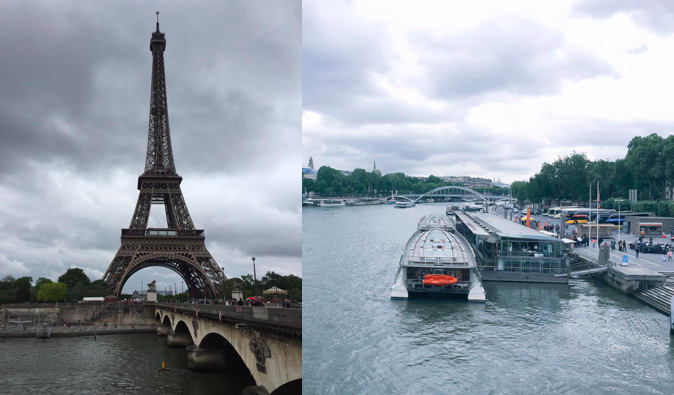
181, 327
460, 189
270, 362
183, 263
231, 359
289, 388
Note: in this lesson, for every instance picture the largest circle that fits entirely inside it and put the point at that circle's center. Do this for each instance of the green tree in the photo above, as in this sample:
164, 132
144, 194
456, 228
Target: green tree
99, 288
520, 190
53, 292
22, 289
73, 276
42, 281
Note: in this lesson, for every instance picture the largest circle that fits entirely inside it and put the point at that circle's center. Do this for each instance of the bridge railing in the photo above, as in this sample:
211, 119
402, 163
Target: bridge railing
271, 315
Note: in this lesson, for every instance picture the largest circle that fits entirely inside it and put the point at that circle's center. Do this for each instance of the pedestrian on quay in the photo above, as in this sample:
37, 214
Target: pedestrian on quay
669, 255
637, 248
664, 254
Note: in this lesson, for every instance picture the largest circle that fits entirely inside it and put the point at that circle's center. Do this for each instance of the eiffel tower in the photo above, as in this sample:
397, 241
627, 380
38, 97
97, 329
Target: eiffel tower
179, 247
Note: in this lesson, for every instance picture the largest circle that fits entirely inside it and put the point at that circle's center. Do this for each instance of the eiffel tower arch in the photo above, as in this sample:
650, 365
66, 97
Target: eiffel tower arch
179, 247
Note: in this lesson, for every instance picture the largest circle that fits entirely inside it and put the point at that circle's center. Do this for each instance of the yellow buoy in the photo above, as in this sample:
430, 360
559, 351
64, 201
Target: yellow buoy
163, 366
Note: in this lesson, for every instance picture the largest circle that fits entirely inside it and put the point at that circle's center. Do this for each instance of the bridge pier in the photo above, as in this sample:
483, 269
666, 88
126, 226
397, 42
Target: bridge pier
201, 359
163, 330
179, 339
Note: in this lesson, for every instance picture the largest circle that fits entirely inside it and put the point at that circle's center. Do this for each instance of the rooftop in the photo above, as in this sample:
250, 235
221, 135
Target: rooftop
501, 227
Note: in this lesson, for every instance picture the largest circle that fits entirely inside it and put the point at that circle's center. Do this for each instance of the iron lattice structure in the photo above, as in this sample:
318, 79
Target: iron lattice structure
179, 247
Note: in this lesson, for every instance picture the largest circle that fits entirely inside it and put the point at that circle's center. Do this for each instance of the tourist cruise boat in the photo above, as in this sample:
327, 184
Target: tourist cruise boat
332, 203
404, 204
368, 202
437, 261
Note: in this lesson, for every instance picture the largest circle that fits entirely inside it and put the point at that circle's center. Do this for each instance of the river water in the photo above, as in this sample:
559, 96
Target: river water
110, 364
581, 338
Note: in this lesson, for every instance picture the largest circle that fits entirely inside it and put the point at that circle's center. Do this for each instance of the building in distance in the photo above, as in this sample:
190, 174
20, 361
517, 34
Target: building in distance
467, 181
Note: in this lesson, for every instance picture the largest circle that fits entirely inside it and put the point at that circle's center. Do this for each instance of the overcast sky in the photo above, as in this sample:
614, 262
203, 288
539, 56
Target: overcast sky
74, 105
490, 89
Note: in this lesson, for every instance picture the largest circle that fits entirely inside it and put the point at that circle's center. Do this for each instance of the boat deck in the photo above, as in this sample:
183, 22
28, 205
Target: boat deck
438, 247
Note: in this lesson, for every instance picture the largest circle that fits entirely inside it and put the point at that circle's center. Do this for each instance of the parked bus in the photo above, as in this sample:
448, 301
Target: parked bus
619, 218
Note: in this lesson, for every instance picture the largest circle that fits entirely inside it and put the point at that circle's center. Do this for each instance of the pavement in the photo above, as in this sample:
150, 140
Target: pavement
648, 261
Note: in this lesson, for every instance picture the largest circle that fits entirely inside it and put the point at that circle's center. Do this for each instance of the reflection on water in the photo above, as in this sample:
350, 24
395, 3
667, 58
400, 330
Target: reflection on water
111, 364
527, 339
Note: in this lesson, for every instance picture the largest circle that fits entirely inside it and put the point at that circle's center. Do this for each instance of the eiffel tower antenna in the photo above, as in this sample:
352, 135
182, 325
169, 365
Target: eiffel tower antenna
180, 246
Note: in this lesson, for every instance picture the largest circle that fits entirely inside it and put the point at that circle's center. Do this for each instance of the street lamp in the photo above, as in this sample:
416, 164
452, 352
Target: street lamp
254, 279
620, 224
181, 289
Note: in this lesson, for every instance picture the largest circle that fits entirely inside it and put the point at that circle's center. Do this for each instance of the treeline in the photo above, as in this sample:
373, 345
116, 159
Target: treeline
648, 167
72, 286
661, 208
331, 182
290, 283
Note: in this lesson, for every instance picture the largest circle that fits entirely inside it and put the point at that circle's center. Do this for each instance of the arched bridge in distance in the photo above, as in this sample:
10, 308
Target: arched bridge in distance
265, 343
451, 191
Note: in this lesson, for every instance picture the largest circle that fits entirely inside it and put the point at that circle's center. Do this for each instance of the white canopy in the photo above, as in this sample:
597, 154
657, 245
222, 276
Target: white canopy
275, 290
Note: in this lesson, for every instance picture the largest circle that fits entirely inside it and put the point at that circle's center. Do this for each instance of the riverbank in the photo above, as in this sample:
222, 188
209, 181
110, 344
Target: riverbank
89, 330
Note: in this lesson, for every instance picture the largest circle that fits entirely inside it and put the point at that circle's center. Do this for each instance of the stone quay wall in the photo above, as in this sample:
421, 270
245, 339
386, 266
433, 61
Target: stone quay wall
112, 313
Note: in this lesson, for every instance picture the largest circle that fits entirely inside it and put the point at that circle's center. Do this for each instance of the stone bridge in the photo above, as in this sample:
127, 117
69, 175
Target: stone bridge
266, 340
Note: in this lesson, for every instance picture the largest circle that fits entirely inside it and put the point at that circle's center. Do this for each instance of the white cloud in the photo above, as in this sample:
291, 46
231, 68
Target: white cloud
486, 88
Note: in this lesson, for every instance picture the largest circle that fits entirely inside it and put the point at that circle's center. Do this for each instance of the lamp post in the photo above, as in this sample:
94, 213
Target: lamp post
620, 224
254, 279
141, 290
181, 289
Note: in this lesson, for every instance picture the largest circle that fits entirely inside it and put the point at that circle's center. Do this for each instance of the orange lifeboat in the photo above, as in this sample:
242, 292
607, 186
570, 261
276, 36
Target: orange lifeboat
439, 280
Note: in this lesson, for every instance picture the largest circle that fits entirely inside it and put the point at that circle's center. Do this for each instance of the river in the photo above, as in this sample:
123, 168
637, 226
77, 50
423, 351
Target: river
581, 338
111, 364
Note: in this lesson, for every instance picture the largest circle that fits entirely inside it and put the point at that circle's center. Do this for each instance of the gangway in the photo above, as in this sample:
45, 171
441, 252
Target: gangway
588, 272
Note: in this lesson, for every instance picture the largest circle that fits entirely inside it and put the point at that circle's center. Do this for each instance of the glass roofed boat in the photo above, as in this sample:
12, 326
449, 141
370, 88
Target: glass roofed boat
437, 260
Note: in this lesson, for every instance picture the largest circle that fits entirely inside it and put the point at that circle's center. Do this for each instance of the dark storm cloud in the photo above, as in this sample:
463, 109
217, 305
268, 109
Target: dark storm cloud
656, 15
74, 103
